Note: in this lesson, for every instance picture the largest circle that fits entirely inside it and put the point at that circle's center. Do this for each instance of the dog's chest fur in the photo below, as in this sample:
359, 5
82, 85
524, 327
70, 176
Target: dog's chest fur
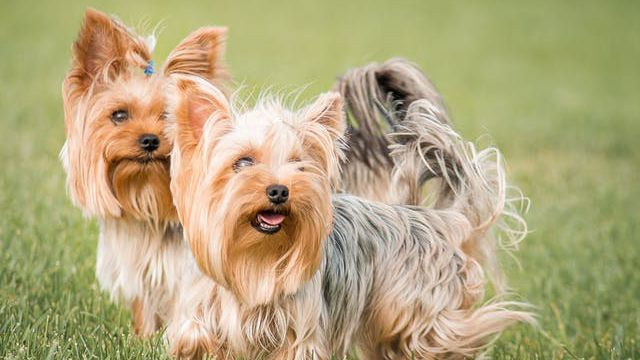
137, 260
273, 328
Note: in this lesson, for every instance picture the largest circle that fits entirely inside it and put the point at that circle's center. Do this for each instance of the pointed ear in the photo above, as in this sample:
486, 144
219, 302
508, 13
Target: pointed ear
201, 54
327, 110
104, 48
197, 103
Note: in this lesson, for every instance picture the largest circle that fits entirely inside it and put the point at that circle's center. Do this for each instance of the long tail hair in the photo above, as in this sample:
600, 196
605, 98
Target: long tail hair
469, 181
377, 97
401, 138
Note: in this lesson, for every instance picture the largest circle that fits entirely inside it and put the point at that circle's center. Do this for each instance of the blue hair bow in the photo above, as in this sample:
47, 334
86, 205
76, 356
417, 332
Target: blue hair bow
149, 69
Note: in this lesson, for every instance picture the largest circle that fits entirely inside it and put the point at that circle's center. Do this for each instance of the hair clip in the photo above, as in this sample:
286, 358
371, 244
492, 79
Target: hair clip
149, 69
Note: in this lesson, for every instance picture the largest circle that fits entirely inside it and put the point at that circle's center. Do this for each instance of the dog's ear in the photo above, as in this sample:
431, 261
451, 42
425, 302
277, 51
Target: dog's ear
104, 48
197, 103
327, 110
201, 54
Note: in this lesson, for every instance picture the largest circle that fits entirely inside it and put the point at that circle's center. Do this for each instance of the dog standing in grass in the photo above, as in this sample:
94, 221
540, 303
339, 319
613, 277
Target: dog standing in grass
117, 157
286, 270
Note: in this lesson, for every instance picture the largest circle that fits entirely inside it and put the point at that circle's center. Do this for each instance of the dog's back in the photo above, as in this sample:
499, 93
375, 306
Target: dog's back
406, 279
396, 281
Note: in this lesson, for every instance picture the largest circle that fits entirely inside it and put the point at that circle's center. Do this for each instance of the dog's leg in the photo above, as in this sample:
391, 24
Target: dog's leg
145, 320
196, 342
293, 352
190, 337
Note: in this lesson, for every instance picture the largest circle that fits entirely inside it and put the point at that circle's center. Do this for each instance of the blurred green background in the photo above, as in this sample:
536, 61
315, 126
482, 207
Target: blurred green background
555, 85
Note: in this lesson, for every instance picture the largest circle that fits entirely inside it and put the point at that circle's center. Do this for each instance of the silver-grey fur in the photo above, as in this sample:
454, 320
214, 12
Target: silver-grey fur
396, 121
377, 97
400, 252
395, 283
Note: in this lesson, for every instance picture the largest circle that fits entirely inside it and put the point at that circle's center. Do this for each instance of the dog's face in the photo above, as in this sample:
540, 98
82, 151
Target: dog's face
254, 189
116, 154
124, 139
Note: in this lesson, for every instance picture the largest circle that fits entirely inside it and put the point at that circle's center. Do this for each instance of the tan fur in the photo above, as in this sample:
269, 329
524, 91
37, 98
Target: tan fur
110, 177
141, 324
201, 55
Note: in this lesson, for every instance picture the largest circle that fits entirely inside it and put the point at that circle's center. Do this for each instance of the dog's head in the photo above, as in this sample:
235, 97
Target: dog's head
116, 154
253, 188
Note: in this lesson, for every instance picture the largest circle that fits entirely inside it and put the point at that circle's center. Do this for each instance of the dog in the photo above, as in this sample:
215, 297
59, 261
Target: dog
116, 156
287, 269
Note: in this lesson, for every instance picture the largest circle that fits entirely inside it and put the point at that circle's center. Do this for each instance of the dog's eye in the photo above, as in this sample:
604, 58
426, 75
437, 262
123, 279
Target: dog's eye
243, 163
297, 160
119, 116
164, 116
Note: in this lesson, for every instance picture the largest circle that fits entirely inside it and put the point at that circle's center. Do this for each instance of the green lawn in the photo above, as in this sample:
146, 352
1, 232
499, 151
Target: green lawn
556, 85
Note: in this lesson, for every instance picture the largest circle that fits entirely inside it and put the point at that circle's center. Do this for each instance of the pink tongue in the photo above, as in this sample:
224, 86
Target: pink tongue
270, 218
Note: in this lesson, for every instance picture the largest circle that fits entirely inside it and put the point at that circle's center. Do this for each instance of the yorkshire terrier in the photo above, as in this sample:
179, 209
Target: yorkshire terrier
288, 270
117, 156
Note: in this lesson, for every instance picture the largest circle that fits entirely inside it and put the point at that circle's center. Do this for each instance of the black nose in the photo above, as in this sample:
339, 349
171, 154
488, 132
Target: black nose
277, 194
149, 142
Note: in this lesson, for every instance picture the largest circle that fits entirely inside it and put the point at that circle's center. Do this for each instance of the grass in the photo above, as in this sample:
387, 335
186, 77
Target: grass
555, 84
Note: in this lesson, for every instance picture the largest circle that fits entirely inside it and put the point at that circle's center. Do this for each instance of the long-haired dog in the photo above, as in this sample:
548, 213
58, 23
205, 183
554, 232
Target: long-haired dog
117, 157
377, 100
288, 270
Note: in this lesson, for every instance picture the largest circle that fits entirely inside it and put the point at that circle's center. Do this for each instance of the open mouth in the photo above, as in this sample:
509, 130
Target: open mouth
269, 221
